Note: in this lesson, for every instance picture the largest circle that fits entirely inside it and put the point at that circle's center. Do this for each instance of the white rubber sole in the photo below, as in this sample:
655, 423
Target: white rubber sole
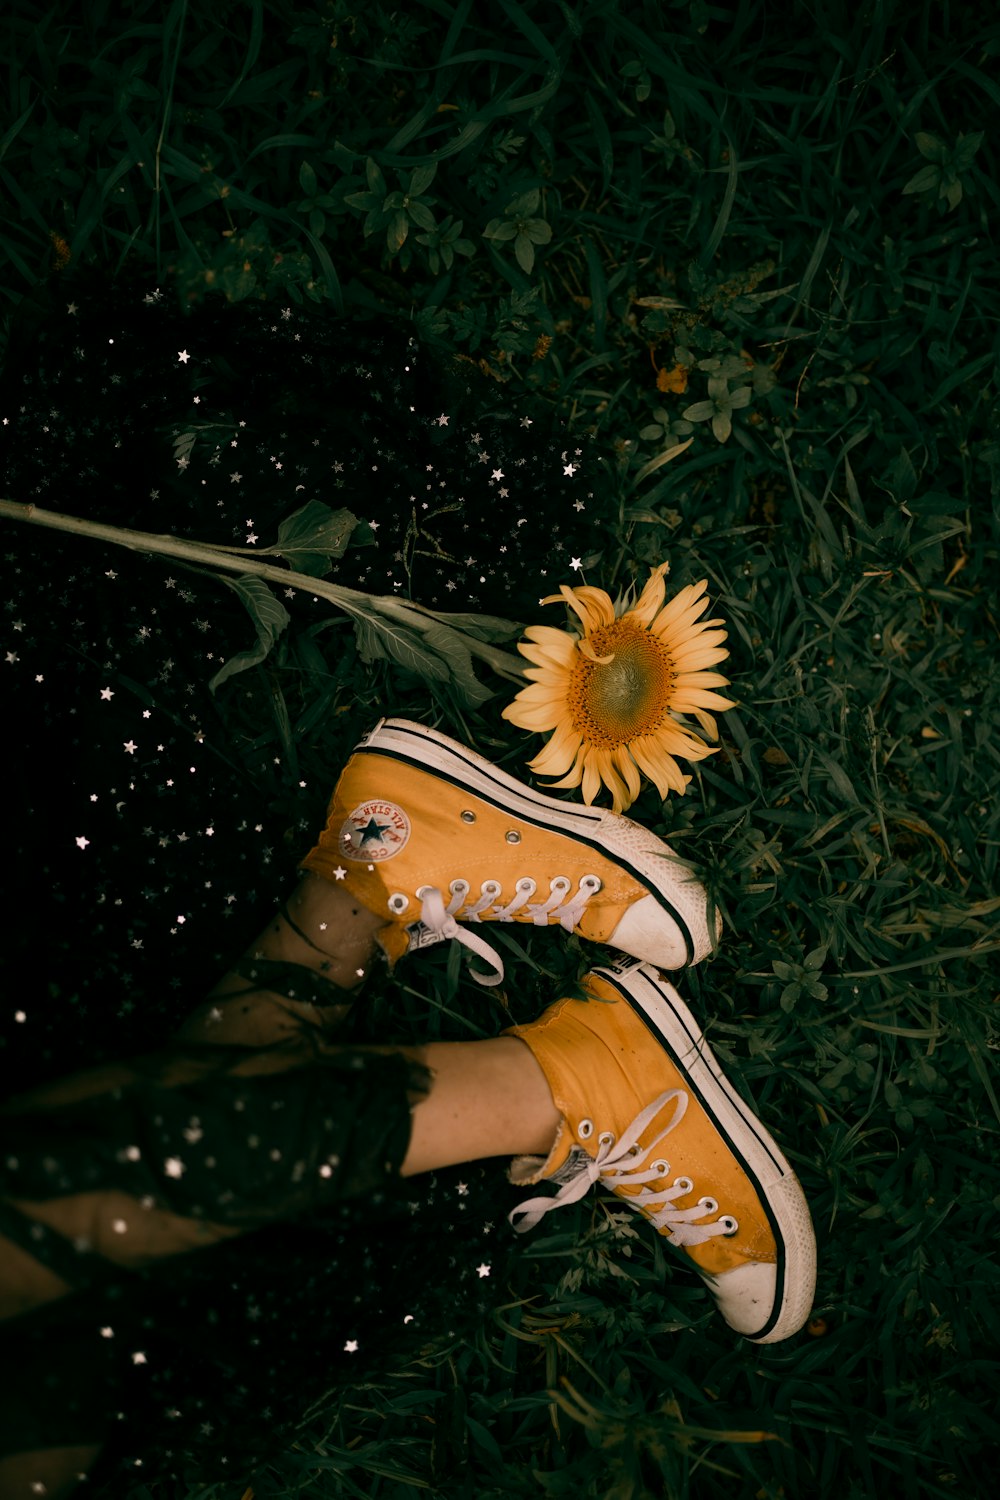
663, 1011
669, 927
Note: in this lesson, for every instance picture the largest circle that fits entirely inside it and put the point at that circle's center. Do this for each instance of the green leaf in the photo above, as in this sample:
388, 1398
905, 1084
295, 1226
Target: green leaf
309, 537
307, 180
926, 178
375, 180
930, 146
421, 214
722, 425
965, 150
701, 411
789, 996
399, 228
524, 252
421, 179
524, 205
382, 639
450, 649
538, 231
482, 627
269, 616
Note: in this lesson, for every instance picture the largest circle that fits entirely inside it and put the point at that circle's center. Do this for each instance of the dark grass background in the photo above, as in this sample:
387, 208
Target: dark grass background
771, 229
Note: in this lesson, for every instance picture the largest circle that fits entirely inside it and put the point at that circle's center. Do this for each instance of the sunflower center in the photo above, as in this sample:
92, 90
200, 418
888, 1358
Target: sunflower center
628, 697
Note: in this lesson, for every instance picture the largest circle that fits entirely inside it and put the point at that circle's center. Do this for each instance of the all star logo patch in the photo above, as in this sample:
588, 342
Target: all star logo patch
376, 830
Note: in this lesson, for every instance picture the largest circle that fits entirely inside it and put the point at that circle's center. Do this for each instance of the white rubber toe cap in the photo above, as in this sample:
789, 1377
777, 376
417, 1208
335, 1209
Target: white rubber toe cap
645, 932
746, 1298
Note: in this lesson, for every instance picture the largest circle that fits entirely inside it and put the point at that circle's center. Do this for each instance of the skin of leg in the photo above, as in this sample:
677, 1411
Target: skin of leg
343, 932
488, 1098
56, 1468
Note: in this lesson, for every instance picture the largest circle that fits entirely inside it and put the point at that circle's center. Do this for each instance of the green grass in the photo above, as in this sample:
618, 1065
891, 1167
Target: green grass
800, 204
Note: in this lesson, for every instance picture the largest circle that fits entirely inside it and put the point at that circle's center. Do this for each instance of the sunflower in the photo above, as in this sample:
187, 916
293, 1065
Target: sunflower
612, 692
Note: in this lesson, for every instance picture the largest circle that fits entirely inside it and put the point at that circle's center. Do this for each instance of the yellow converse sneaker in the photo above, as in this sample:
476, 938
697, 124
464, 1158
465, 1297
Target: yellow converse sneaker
433, 835
648, 1113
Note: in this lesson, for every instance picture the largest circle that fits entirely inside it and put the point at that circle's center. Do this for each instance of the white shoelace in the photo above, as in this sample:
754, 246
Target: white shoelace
443, 920
619, 1164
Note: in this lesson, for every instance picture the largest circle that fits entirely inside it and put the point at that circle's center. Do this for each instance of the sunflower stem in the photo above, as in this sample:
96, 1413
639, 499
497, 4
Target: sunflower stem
235, 560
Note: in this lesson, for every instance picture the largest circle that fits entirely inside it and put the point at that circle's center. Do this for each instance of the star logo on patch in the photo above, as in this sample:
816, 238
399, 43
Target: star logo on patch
374, 831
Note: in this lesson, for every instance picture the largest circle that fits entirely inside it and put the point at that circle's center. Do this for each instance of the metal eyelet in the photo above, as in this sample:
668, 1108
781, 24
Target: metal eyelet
512, 836
684, 1183
526, 884
585, 1129
709, 1205
398, 902
591, 883
459, 886
730, 1225
559, 883
490, 888
468, 816
606, 1138
661, 1166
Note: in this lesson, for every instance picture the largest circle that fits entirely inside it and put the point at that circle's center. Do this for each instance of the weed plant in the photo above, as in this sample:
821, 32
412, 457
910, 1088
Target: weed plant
768, 232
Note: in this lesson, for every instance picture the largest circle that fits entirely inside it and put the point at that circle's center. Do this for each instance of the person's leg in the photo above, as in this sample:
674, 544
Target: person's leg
487, 1098
52, 1472
324, 935
323, 931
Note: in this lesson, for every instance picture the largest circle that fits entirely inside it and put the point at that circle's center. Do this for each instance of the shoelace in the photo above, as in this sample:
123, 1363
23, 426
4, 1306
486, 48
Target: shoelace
619, 1164
443, 920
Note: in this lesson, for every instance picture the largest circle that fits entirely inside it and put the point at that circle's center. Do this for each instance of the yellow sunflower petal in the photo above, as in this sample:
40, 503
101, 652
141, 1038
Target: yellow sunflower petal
555, 758
695, 664
675, 738
707, 722
539, 718
701, 680
650, 601
538, 694
547, 646
629, 774
685, 599
592, 765
694, 697
683, 627
696, 639
593, 606
574, 775
660, 767
552, 678
606, 764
